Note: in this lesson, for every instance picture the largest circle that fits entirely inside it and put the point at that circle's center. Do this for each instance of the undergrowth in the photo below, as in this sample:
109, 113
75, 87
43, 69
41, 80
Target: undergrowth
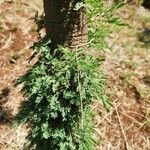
59, 89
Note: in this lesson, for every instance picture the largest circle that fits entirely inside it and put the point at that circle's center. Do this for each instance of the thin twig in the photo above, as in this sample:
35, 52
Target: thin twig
131, 118
137, 114
7, 134
106, 116
80, 90
122, 129
7, 43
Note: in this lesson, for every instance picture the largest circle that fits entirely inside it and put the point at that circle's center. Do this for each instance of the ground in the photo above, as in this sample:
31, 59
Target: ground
127, 68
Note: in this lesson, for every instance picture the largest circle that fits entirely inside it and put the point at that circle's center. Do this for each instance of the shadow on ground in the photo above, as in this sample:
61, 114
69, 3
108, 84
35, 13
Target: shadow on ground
3, 99
145, 37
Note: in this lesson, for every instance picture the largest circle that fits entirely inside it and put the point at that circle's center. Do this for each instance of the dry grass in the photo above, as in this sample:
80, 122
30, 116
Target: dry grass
127, 66
17, 33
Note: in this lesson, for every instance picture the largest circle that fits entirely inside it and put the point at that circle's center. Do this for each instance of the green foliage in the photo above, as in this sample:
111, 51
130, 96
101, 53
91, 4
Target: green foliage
99, 19
58, 91
60, 87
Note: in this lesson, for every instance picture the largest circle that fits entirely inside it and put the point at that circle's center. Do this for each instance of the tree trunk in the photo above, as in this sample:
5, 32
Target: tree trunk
65, 25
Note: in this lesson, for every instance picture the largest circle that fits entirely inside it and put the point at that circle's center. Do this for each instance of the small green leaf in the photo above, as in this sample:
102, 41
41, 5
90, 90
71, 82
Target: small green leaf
78, 5
46, 134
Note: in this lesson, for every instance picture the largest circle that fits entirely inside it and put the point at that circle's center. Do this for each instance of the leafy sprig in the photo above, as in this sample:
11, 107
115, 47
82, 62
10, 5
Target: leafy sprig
58, 91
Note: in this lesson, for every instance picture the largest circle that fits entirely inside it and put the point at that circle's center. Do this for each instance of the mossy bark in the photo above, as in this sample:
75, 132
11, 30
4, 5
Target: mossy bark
65, 25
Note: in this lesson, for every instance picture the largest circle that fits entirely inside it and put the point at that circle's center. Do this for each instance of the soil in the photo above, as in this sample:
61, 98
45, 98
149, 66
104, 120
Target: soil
127, 67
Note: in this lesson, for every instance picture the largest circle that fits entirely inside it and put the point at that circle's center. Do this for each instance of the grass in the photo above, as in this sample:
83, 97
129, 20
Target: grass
128, 81
126, 67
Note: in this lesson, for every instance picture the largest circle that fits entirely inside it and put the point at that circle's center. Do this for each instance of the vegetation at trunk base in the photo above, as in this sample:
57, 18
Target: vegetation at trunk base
60, 87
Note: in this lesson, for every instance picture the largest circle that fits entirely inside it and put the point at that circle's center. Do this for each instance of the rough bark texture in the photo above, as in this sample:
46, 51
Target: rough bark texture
64, 25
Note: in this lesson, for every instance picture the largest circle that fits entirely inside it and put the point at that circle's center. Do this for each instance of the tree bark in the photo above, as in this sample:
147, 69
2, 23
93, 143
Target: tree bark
65, 25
